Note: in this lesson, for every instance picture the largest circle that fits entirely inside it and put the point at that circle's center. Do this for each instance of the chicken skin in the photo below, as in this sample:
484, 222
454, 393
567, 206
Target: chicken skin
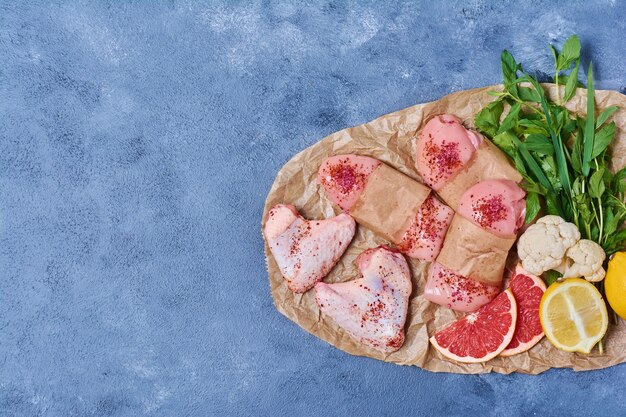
306, 250
373, 308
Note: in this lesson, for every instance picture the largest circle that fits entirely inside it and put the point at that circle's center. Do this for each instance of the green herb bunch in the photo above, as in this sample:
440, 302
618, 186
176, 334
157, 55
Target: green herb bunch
562, 156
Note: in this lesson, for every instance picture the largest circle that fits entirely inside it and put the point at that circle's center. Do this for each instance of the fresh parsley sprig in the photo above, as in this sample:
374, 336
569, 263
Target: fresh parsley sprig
562, 156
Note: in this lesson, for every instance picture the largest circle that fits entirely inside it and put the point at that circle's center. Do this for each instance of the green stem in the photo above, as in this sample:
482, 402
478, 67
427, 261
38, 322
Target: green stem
524, 103
575, 215
599, 220
587, 225
619, 202
568, 155
601, 225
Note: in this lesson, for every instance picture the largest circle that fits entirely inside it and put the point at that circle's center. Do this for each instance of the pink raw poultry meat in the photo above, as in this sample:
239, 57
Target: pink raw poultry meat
372, 308
495, 205
426, 232
444, 147
306, 250
454, 291
345, 177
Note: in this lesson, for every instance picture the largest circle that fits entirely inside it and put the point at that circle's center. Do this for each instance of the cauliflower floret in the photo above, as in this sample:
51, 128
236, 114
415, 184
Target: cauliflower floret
585, 259
544, 244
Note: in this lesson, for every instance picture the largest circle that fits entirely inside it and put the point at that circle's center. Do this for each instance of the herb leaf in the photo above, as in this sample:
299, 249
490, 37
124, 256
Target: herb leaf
603, 139
505, 142
509, 71
528, 94
596, 184
618, 183
572, 83
488, 119
569, 53
605, 114
510, 121
539, 143
532, 206
589, 127
534, 126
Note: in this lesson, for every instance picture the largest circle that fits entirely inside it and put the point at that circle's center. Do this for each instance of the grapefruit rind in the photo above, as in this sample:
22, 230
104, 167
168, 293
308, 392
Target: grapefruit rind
505, 341
523, 347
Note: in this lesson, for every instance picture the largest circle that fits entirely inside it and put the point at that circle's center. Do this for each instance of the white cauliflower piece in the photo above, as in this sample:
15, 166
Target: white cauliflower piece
585, 259
544, 244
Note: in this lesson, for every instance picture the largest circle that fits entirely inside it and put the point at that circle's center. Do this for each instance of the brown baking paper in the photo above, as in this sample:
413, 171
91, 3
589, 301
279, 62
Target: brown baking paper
487, 163
389, 203
474, 252
390, 139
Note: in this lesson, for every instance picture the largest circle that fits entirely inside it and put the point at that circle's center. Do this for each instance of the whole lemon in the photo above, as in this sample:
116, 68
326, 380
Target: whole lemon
615, 284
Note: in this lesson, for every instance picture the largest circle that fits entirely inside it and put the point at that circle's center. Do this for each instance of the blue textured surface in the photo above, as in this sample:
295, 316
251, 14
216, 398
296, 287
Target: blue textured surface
137, 144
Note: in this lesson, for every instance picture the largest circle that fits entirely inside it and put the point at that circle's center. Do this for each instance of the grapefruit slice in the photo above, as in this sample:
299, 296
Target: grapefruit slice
527, 290
481, 335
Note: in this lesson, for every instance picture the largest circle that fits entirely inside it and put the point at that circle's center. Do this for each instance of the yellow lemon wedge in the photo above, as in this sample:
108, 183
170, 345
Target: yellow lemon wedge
615, 284
573, 315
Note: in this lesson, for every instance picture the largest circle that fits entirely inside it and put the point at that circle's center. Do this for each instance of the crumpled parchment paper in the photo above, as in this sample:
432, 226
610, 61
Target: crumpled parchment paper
385, 216
390, 139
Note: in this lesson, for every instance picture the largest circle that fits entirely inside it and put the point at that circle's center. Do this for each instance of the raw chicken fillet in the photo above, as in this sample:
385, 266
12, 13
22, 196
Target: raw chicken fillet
444, 147
495, 205
344, 178
425, 235
446, 288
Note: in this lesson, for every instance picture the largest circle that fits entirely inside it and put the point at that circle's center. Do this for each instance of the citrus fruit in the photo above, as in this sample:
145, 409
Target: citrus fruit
615, 284
573, 315
481, 335
527, 290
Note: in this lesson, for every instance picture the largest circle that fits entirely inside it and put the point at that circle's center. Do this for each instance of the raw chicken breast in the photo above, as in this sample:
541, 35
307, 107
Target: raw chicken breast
424, 238
344, 178
444, 146
372, 308
454, 291
306, 250
495, 205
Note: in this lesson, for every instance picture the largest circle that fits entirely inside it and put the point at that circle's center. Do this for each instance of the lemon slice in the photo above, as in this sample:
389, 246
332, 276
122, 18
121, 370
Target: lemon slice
573, 315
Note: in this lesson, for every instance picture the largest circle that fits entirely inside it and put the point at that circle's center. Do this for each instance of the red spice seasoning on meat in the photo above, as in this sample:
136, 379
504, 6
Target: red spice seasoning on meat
375, 311
489, 210
294, 248
425, 229
345, 176
463, 289
444, 159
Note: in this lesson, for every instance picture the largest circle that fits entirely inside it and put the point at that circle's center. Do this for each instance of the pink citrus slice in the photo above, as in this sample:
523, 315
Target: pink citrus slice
527, 290
481, 335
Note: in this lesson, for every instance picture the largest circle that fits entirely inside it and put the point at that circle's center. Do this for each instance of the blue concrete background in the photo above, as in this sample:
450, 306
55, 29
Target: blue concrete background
137, 143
